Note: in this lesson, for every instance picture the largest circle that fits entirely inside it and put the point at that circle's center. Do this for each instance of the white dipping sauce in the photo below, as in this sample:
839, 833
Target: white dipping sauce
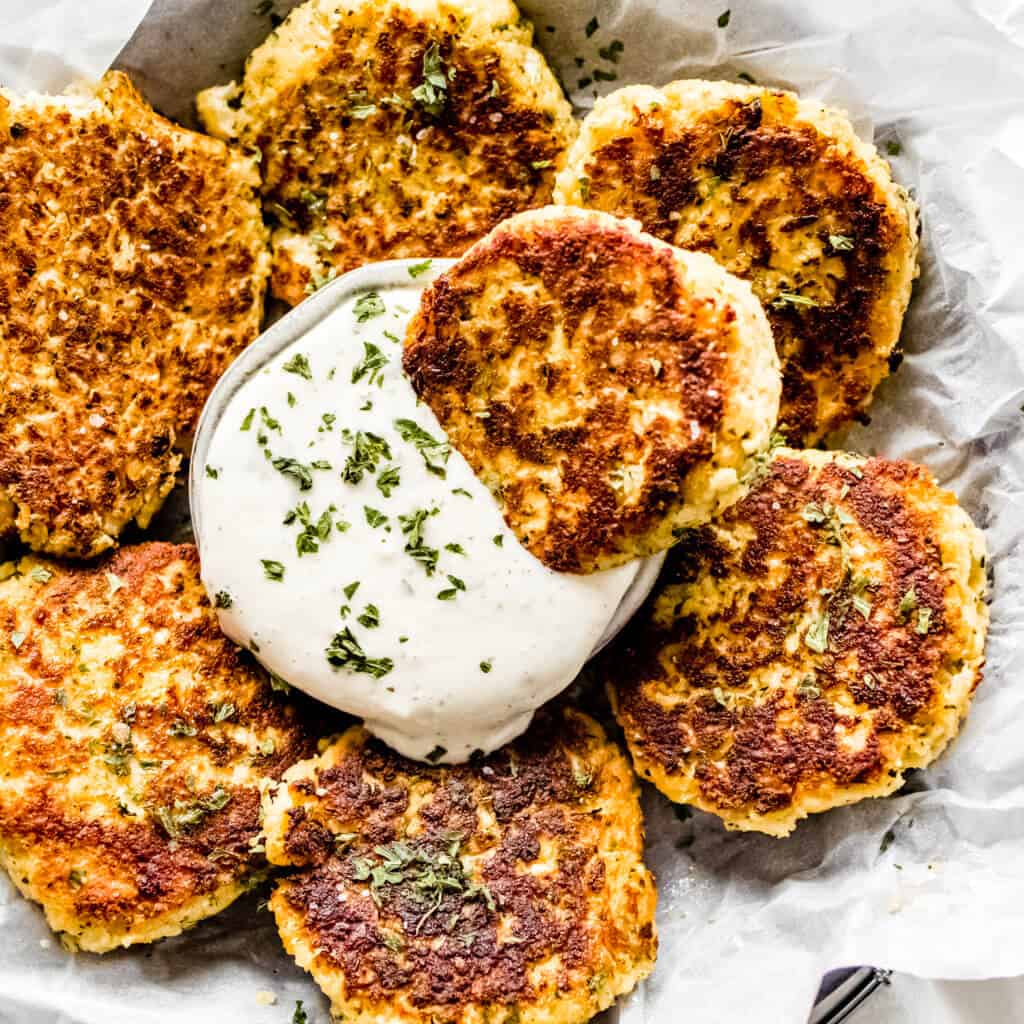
442, 664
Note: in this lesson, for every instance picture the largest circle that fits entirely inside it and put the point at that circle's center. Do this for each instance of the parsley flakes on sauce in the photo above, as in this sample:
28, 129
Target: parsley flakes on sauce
345, 651
367, 306
299, 364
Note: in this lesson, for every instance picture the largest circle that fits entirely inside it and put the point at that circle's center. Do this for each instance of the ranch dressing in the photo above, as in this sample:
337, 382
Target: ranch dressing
411, 604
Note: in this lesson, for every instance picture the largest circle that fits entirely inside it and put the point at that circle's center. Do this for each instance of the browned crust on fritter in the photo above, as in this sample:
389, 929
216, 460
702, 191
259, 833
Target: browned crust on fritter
122, 702
132, 271
663, 178
547, 427
550, 797
881, 678
487, 154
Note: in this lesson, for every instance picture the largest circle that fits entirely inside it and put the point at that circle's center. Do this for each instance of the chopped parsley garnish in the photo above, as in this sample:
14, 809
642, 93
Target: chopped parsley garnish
435, 453
350, 590
291, 400
393, 337
437, 753
179, 727
499, 540
600, 75
371, 366
299, 1016
268, 421
412, 527
41, 575
584, 184
612, 51
808, 687
222, 599
361, 111
486, 666
724, 18
893, 148
591, 27
539, 165
272, 570
388, 480
463, 492
743, 76
76, 879
345, 651
327, 421
294, 468
432, 93
370, 617
862, 605
374, 517
222, 712
787, 299
455, 549
182, 815
841, 243
449, 593
816, 636
368, 449
908, 603
299, 364
368, 306
924, 620
313, 533
420, 268
316, 282
212, 473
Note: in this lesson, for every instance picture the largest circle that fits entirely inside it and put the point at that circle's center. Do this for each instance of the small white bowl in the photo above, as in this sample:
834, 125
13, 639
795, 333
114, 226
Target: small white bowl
296, 323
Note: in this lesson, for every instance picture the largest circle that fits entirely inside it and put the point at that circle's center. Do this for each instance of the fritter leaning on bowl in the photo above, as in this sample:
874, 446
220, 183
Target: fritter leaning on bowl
132, 271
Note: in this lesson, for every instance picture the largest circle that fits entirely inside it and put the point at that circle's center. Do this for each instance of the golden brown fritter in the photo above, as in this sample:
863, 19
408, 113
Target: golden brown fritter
132, 271
509, 890
134, 738
605, 386
393, 128
819, 640
781, 192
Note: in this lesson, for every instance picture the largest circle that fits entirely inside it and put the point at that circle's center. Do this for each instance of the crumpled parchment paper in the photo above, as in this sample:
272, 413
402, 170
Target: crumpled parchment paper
748, 923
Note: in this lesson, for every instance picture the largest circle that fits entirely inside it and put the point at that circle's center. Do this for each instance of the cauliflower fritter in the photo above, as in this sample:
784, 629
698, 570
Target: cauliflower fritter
508, 890
132, 269
393, 128
134, 738
810, 647
782, 193
607, 387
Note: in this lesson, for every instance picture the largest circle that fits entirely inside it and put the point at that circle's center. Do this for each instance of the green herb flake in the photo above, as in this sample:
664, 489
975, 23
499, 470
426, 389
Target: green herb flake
223, 712
367, 306
463, 492
416, 269
388, 479
212, 473
368, 450
291, 400
371, 365
351, 589
816, 637
295, 469
862, 605
724, 18
455, 549
76, 879
808, 688
908, 603
486, 666
540, 165
370, 617
435, 453
41, 575
841, 243
298, 364
591, 27
612, 51
924, 620
374, 517
499, 540
272, 570
432, 93
744, 76
345, 651
786, 300
893, 148
180, 728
